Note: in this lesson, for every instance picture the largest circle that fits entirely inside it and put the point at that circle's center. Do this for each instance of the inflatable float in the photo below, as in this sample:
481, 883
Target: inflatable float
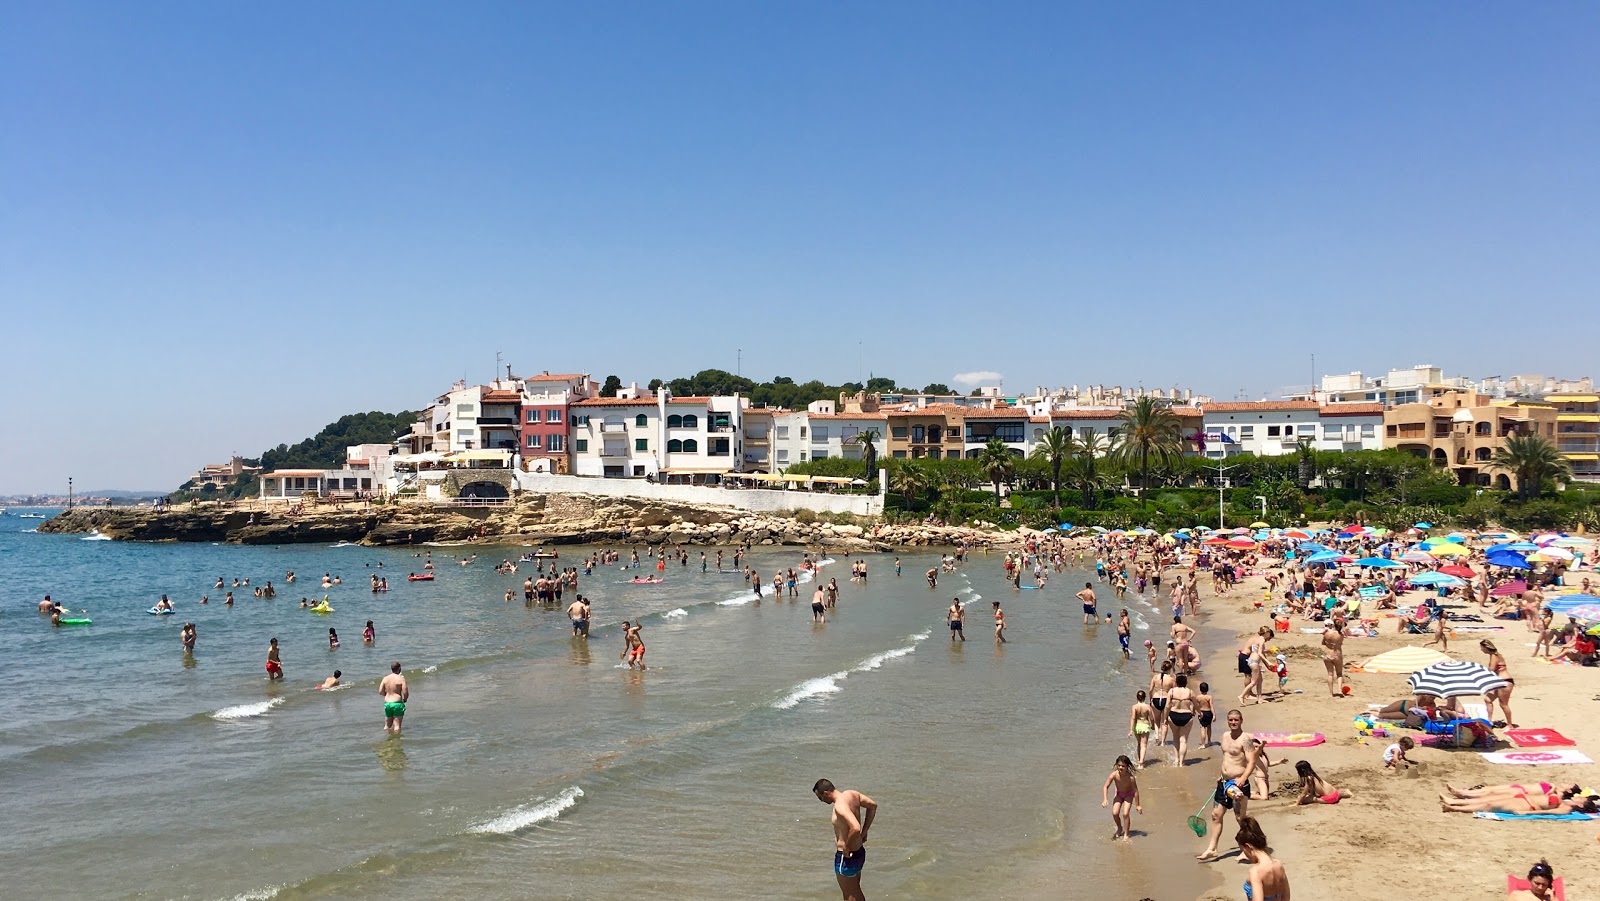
157, 611
646, 581
321, 608
75, 621
425, 577
1290, 739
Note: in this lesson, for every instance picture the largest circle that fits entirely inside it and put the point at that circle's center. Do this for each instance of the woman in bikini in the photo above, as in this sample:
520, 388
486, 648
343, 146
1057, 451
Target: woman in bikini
1529, 802
1180, 717
1316, 790
1267, 880
1141, 721
1542, 793
1497, 664
1160, 683
1127, 799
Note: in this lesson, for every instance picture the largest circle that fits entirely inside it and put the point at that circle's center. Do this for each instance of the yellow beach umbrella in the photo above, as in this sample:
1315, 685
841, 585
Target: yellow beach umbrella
1447, 549
1261, 525
1402, 660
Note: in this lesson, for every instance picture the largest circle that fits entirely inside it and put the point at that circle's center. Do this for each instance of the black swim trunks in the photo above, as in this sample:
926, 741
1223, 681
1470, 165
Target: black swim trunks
1221, 794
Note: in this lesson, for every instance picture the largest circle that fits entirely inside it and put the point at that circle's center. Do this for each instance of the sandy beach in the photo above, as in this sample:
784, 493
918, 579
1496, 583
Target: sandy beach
1382, 842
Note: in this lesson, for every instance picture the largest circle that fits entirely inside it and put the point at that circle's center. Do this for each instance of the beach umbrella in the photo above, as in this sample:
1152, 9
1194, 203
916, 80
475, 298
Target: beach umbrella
1455, 679
1431, 579
1402, 660
1312, 547
1297, 534
1050, 531
1456, 539
1215, 540
1324, 557
1378, 562
1497, 536
1506, 589
1567, 602
1416, 557
1422, 525
1545, 538
1447, 549
1100, 529
1465, 572
1521, 547
1587, 612
1261, 525
1065, 527
1243, 544
1574, 541
1508, 560
1554, 553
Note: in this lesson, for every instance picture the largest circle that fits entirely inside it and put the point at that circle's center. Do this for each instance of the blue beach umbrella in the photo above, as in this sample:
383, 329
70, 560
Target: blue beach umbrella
1065, 527
1378, 562
1566, 603
1508, 559
1587, 612
1436, 579
1312, 547
1324, 557
1521, 547
1423, 525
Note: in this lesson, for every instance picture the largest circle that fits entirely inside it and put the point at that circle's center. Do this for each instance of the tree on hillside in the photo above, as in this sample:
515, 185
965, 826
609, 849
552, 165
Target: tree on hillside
655, 384
880, 385
611, 387
1087, 451
1534, 461
1054, 448
1148, 429
998, 464
937, 388
907, 481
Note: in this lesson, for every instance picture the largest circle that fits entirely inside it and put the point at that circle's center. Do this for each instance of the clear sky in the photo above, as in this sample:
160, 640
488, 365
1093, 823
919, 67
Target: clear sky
223, 225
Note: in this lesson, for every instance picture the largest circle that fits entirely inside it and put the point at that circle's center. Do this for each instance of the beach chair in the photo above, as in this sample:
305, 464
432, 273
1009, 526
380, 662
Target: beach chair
1517, 884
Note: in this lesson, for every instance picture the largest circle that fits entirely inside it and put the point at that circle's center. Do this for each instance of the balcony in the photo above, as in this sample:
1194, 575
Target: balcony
613, 428
755, 437
507, 421
614, 450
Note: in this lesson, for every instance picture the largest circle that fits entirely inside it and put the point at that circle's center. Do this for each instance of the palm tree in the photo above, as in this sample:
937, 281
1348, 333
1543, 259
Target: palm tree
1054, 448
1534, 461
1086, 453
997, 463
1149, 429
867, 440
907, 480
1308, 463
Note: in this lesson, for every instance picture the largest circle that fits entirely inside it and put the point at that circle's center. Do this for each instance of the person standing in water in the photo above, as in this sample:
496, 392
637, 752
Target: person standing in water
188, 638
578, 613
274, 662
957, 617
1088, 599
1124, 632
632, 645
853, 813
819, 605
999, 623
395, 694
369, 635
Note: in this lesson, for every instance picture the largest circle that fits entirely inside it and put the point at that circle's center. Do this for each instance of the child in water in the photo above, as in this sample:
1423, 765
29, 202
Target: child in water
333, 640
1127, 797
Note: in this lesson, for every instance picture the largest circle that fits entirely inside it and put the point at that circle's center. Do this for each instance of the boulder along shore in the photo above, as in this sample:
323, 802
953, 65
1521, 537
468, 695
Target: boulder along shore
543, 519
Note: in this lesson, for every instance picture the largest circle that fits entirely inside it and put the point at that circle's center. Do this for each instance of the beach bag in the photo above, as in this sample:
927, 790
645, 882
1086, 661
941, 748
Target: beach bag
1472, 733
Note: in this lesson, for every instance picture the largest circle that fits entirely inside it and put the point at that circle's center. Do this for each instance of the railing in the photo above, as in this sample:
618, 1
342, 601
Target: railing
472, 502
755, 436
497, 420
614, 450
613, 427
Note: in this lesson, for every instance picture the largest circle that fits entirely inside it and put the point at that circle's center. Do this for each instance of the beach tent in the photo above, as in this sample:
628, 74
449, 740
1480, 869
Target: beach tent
1402, 660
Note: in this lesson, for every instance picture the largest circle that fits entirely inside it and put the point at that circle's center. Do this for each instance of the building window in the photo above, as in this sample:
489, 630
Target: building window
820, 455
899, 455
783, 456
533, 416
535, 441
802, 431
1272, 431
674, 421
552, 416
1369, 431
898, 432
641, 420
366, 484
691, 421
556, 444
1247, 431
580, 445
819, 434
802, 456
674, 446
781, 431
848, 431
638, 470
935, 434
691, 446
935, 453
641, 444
919, 434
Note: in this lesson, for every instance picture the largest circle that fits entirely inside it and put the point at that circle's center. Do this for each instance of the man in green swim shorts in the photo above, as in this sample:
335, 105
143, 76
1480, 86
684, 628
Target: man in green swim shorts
395, 695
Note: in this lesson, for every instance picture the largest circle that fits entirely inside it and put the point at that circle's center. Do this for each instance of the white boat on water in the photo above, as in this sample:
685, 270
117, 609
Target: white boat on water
32, 516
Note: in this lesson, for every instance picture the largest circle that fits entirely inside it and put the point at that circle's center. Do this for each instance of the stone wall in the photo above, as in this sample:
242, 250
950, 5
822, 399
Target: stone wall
755, 500
456, 479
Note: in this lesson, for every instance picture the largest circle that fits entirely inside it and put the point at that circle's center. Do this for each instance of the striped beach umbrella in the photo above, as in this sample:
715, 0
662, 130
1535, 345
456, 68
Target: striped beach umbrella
1589, 613
1402, 660
1455, 679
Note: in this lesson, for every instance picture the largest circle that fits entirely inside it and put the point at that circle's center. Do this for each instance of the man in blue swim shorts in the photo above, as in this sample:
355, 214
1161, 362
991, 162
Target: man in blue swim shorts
852, 819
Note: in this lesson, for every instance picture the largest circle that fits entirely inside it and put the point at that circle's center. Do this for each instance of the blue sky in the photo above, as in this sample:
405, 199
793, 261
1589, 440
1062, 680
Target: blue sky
223, 225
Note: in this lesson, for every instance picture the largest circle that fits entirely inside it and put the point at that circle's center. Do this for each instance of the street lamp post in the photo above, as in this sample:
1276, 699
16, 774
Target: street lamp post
1263, 501
1221, 520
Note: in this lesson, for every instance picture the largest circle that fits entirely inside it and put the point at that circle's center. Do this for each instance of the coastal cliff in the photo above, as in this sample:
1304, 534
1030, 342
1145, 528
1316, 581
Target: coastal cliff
544, 519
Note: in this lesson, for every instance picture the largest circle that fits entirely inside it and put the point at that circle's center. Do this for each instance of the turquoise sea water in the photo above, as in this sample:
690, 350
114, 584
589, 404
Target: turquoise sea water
533, 765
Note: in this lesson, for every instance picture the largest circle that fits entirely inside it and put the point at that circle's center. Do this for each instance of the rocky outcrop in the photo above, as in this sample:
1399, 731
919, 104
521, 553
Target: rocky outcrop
543, 520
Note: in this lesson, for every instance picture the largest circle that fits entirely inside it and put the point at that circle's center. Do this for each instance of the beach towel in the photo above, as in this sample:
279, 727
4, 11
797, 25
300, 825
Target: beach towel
1486, 815
1372, 591
1476, 711
1290, 739
1538, 738
1518, 884
1538, 758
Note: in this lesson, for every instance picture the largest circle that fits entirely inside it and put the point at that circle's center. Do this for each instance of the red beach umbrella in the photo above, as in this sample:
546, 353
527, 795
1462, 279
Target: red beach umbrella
1243, 544
1464, 572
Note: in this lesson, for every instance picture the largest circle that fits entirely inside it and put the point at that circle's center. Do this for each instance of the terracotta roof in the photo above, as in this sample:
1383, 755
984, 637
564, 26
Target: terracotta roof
1085, 414
616, 402
501, 397
547, 377
877, 417
1352, 410
1262, 406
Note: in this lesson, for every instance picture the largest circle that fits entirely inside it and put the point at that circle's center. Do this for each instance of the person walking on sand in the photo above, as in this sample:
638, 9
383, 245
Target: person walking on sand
1127, 799
999, 624
1087, 598
1239, 753
1203, 706
395, 694
1253, 665
853, 813
1180, 716
957, 617
1333, 655
274, 662
1141, 722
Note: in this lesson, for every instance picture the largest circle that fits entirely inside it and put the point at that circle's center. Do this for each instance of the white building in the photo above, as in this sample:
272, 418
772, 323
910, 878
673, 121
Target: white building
658, 436
830, 433
1274, 428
